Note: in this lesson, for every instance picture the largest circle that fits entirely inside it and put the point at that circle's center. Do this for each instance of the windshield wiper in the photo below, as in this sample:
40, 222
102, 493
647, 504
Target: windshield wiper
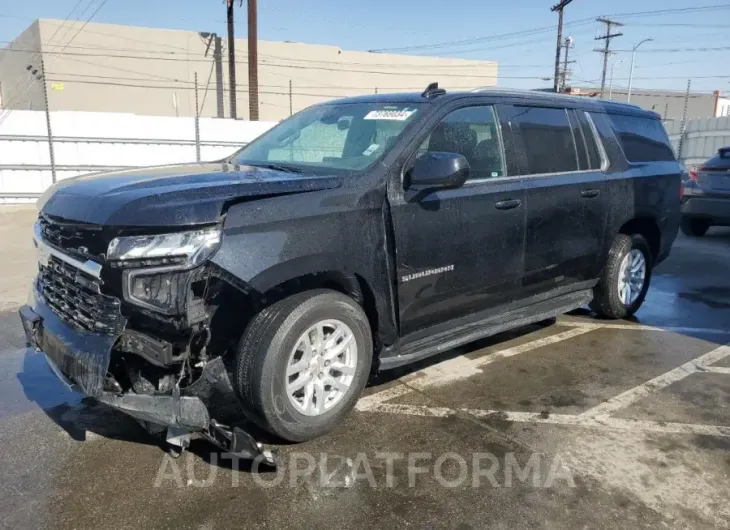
278, 167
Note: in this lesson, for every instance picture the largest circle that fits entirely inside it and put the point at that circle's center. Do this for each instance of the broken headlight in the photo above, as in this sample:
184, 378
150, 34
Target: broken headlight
156, 290
156, 266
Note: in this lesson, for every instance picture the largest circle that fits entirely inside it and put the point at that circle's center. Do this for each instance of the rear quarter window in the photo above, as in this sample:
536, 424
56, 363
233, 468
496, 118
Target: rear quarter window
720, 161
642, 139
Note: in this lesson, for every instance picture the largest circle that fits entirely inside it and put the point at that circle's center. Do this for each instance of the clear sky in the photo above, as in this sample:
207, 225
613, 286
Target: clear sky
389, 24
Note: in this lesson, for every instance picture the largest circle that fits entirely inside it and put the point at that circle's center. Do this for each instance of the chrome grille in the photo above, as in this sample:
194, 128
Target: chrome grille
75, 238
77, 299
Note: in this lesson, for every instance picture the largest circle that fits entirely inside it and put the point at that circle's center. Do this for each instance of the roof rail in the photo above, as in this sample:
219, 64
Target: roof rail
433, 91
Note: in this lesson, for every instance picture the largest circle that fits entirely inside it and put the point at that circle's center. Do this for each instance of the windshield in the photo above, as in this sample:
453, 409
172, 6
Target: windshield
345, 136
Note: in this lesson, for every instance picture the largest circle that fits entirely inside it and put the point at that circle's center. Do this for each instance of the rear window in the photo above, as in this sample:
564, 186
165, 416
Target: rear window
548, 139
642, 139
720, 161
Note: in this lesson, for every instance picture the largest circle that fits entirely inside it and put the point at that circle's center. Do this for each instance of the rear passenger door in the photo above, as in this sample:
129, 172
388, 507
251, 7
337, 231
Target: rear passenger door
566, 195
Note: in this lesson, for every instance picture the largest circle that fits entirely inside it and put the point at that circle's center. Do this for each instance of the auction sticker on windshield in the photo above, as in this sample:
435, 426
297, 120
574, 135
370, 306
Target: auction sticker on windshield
395, 115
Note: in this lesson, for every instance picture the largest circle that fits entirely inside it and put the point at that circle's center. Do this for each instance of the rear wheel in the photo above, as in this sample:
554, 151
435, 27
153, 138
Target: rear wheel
303, 362
625, 281
695, 227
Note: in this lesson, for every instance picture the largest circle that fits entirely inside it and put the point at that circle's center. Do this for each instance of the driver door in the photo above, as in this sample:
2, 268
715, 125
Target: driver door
459, 250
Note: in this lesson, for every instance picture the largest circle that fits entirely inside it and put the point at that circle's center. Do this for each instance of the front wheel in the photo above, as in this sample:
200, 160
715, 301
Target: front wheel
303, 362
694, 227
625, 281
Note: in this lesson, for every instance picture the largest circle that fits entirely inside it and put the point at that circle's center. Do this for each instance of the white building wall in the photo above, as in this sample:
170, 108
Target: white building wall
723, 107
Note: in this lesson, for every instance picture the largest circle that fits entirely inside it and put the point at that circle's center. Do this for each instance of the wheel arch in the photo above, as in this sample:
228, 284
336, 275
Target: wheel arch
648, 228
350, 284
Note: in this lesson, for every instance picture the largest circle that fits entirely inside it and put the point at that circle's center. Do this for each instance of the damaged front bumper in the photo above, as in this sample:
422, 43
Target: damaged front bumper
81, 360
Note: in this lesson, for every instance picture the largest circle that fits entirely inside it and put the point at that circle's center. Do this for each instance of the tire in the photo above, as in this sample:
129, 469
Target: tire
694, 227
266, 350
607, 301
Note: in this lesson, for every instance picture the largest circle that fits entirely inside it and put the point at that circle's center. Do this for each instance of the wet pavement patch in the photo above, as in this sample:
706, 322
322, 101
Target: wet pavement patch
713, 297
701, 398
568, 377
27, 383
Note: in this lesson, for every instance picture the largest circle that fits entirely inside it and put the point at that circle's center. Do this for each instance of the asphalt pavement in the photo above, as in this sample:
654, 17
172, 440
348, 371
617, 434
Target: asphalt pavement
576, 423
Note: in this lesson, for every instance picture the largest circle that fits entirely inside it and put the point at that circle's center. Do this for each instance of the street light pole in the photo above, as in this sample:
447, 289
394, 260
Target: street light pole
610, 83
631, 72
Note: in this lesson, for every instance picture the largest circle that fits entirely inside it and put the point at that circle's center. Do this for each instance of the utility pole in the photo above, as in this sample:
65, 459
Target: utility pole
559, 8
606, 51
565, 75
291, 102
218, 59
197, 121
253, 62
683, 127
51, 153
231, 59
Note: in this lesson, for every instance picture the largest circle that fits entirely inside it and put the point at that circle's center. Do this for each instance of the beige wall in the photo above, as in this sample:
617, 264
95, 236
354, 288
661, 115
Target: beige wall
18, 87
670, 105
171, 58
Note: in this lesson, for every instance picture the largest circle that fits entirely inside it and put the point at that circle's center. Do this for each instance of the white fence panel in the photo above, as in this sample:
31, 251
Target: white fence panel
85, 142
702, 138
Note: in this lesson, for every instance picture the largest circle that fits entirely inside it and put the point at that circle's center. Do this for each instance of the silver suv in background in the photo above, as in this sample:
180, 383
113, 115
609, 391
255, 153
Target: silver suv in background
706, 200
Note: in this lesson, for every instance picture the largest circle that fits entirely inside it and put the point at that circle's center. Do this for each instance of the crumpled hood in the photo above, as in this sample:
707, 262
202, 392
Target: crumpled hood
169, 195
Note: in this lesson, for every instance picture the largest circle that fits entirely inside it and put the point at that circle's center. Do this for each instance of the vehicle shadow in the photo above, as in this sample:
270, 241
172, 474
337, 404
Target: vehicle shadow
75, 414
84, 418
715, 233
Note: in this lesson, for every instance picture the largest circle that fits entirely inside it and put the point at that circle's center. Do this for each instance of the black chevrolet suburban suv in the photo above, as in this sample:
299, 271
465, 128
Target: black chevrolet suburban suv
357, 235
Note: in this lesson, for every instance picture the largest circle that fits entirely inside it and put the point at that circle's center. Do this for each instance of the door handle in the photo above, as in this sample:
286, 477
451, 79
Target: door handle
508, 204
590, 194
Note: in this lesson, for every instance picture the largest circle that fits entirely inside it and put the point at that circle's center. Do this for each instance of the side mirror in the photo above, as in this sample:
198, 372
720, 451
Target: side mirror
438, 170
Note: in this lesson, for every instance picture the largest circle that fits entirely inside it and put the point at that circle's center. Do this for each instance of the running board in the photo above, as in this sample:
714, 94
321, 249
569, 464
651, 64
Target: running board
405, 352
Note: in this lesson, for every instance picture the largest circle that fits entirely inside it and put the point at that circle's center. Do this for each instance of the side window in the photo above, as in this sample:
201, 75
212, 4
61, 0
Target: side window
547, 138
580, 144
643, 139
471, 132
594, 157
607, 137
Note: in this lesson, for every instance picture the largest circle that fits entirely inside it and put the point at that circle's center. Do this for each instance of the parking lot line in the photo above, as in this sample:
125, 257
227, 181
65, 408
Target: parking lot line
700, 364
643, 327
716, 370
603, 422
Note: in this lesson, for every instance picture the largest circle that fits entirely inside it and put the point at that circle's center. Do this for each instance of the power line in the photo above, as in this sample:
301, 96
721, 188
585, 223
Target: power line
344, 66
476, 40
673, 11
93, 14
673, 50
185, 57
679, 25
38, 52
533, 31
